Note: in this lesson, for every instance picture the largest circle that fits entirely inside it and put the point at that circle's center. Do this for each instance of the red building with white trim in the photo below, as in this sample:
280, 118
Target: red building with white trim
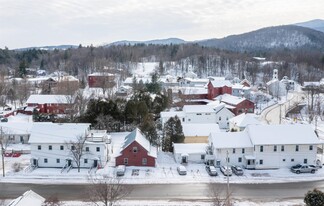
237, 105
137, 151
101, 80
49, 104
219, 87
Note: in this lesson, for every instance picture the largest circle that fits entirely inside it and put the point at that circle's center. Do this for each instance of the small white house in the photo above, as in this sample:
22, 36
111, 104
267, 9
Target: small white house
240, 122
28, 198
16, 132
52, 145
189, 153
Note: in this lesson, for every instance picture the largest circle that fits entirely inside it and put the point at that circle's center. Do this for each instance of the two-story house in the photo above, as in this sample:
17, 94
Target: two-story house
53, 145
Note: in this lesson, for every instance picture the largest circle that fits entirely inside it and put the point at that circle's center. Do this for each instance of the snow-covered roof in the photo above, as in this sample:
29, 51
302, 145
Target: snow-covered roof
47, 99
57, 133
172, 114
28, 198
243, 120
198, 108
230, 99
193, 90
16, 128
221, 83
282, 134
100, 74
199, 129
231, 140
138, 136
189, 148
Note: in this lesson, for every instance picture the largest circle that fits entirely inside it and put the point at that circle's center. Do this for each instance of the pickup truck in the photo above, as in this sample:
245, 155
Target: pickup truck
303, 168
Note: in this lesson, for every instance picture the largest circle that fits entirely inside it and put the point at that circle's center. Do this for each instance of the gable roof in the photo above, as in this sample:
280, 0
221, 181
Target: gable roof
282, 134
230, 140
28, 198
198, 108
47, 99
138, 136
16, 128
230, 99
243, 120
199, 129
221, 83
191, 148
46, 132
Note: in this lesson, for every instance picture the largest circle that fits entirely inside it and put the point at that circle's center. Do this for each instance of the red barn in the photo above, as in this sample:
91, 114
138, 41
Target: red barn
219, 87
49, 104
237, 105
137, 151
101, 80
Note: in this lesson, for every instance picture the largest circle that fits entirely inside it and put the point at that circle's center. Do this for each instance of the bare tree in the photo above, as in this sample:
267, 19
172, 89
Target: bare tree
108, 190
217, 196
4, 142
77, 150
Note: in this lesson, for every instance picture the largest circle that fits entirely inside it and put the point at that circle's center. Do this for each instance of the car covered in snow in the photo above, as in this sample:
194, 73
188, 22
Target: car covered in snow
211, 170
182, 170
237, 170
226, 170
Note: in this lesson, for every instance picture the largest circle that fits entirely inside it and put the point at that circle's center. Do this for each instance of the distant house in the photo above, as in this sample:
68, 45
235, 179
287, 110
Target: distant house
219, 87
189, 153
264, 146
240, 122
137, 151
101, 79
240, 90
237, 105
50, 104
52, 144
16, 132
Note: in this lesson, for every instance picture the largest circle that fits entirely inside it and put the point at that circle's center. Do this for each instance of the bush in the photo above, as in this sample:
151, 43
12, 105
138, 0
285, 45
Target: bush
314, 198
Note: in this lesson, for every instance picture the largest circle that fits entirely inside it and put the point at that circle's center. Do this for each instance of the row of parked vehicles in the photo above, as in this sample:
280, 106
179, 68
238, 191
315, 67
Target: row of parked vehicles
211, 170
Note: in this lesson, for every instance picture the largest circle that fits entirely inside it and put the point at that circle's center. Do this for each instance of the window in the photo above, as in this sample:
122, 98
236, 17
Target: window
87, 149
220, 118
261, 148
125, 161
61, 147
72, 147
49, 147
282, 148
284, 160
261, 162
305, 161
243, 150
233, 150
135, 150
198, 113
98, 149
292, 160
310, 147
297, 148
45, 160
202, 156
85, 161
39, 147
183, 119
275, 148
57, 160
144, 161
240, 159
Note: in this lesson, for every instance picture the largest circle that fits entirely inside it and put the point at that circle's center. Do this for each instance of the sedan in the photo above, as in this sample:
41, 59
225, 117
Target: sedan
226, 170
237, 170
211, 170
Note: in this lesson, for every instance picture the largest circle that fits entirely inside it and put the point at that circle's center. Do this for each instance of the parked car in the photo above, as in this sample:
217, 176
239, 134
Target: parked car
4, 119
121, 169
211, 170
181, 170
226, 170
303, 168
237, 170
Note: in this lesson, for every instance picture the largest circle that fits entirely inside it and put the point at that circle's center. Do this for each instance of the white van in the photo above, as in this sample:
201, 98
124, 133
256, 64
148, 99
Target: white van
181, 170
120, 170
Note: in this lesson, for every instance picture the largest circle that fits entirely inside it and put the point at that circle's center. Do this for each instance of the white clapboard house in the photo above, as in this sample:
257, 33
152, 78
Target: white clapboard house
264, 146
52, 145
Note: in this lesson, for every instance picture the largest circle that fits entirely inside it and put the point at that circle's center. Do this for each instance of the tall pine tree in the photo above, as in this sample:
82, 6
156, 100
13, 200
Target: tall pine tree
172, 133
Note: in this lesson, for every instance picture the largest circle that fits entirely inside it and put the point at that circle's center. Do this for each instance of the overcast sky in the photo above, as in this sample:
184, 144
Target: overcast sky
26, 23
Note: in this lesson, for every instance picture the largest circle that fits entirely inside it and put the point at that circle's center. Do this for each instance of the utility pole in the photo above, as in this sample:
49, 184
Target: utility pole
2, 152
227, 179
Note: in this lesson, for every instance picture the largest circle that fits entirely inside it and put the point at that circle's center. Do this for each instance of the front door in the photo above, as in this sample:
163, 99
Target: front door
184, 159
95, 163
69, 162
35, 162
22, 139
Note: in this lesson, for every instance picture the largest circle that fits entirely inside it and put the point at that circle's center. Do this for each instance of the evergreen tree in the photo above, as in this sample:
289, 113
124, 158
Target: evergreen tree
172, 133
314, 198
148, 127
